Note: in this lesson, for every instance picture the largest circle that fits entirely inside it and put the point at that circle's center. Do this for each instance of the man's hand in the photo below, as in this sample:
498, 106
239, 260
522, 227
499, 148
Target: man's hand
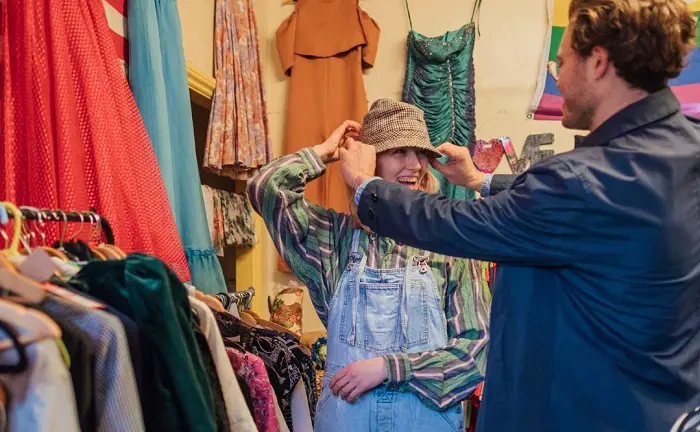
459, 169
328, 150
358, 378
357, 162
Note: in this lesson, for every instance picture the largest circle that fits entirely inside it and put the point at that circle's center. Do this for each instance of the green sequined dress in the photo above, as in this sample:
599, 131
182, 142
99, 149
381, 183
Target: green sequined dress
440, 81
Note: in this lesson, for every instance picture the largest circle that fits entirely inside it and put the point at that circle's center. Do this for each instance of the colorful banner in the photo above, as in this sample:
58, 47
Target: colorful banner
547, 101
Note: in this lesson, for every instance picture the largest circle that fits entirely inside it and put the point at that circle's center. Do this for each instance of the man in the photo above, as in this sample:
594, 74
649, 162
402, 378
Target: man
596, 313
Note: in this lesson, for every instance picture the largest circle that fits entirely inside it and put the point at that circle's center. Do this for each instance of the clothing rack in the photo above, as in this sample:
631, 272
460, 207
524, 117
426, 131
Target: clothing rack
237, 298
29, 213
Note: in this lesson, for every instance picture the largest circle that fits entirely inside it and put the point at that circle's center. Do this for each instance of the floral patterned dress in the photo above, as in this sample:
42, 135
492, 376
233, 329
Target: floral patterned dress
251, 369
238, 140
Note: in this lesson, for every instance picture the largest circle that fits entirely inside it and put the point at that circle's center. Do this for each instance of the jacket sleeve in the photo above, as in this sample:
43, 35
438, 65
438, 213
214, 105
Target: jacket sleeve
501, 182
540, 220
306, 236
446, 376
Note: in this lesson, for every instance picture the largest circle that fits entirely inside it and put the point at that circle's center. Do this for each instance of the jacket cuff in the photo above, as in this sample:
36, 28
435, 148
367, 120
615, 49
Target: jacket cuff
314, 163
398, 368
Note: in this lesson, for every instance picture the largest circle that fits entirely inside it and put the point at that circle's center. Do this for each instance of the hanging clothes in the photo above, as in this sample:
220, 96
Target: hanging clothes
141, 287
238, 140
46, 402
233, 397
116, 396
284, 358
158, 78
72, 136
252, 369
324, 46
440, 81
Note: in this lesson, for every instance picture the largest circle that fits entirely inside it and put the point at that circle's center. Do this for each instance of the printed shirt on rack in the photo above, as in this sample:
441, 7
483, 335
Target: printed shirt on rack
316, 243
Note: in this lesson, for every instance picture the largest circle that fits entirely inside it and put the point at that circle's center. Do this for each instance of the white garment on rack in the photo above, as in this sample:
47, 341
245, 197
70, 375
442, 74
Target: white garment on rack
67, 269
301, 415
41, 399
280, 417
238, 413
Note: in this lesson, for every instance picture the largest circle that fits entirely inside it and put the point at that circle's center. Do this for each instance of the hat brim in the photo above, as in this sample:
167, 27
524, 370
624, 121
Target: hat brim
393, 145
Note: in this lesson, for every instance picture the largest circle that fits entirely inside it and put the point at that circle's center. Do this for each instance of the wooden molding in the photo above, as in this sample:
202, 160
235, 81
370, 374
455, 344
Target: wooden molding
201, 86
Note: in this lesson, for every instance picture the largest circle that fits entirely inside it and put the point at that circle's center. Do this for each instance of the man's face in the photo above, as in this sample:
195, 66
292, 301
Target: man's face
576, 85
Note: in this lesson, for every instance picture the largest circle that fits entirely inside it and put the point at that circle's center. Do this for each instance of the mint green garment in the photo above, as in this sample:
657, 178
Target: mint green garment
440, 81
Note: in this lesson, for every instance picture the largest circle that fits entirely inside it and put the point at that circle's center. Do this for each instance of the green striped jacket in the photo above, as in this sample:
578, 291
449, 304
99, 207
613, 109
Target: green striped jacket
316, 242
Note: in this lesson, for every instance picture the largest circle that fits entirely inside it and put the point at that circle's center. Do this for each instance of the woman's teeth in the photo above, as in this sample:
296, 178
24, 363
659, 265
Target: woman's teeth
408, 181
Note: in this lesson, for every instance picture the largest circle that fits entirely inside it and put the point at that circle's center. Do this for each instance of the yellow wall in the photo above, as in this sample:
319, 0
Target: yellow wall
507, 58
197, 17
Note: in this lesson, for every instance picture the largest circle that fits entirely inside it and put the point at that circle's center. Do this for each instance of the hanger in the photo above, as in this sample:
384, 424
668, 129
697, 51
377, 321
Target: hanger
13, 248
4, 218
31, 325
58, 253
26, 290
99, 254
689, 419
248, 319
111, 251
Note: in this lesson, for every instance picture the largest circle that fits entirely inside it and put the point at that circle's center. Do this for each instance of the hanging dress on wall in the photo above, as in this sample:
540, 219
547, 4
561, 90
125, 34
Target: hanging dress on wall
238, 139
158, 78
72, 136
440, 81
324, 46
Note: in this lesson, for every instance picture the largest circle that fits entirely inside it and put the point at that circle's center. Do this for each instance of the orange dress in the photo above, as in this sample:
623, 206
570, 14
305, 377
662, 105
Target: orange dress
324, 46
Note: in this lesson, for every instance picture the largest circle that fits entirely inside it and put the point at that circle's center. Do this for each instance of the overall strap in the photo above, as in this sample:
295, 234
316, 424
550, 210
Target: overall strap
475, 15
407, 282
358, 278
408, 11
355, 240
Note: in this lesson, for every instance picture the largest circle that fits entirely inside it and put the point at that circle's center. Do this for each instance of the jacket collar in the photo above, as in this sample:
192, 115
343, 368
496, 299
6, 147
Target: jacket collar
654, 107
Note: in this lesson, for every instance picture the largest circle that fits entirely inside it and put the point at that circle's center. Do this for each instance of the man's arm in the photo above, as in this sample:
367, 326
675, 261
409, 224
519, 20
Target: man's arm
539, 220
494, 184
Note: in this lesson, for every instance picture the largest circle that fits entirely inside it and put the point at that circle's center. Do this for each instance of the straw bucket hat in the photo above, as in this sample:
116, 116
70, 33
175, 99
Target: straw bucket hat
391, 125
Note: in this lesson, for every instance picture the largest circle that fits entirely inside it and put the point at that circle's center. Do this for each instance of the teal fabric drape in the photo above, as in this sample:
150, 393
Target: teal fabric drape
158, 79
440, 80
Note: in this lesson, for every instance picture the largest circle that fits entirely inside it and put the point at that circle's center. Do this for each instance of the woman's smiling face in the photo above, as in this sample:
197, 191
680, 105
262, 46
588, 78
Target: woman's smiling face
407, 166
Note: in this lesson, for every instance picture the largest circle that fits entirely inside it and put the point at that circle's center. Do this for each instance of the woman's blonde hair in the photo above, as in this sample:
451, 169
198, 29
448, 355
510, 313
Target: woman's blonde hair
429, 184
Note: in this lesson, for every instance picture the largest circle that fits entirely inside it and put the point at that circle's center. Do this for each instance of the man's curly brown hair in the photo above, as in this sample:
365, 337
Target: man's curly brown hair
648, 41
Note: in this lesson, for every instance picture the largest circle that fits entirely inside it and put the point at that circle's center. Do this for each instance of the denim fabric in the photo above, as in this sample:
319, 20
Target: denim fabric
377, 312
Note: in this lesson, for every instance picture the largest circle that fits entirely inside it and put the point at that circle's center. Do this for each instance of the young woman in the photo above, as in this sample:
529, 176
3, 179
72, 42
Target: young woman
407, 329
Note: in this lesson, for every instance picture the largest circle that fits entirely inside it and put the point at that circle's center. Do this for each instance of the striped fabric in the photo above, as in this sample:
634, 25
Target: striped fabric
116, 18
315, 243
547, 101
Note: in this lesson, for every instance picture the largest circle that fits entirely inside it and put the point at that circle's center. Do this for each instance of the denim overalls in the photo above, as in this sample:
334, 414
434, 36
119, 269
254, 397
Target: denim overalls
376, 312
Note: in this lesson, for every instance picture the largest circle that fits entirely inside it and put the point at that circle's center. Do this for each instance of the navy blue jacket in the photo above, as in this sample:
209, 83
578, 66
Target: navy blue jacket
595, 321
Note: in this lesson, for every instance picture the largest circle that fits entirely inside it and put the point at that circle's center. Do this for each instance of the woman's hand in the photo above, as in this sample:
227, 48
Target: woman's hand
358, 378
328, 150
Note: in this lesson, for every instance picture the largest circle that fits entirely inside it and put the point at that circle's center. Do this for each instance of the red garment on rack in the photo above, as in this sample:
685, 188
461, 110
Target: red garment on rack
72, 136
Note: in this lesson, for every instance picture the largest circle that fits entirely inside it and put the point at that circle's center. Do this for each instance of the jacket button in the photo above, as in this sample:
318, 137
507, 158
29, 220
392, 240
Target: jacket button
374, 197
370, 212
